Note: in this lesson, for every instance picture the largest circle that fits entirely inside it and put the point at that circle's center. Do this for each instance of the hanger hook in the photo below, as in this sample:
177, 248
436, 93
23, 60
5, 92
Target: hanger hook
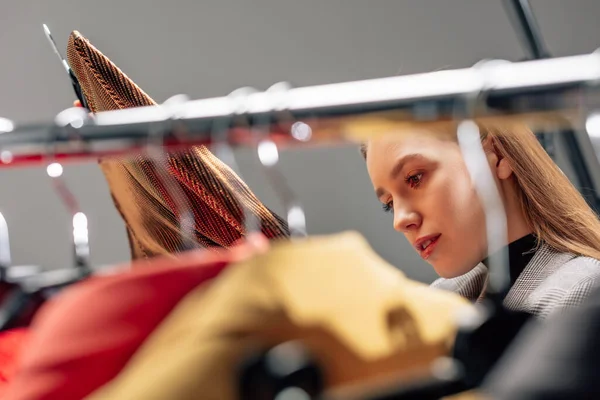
5, 258
67, 123
224, 151
268, 155
471, 146
158, 155
6, 125
8, 272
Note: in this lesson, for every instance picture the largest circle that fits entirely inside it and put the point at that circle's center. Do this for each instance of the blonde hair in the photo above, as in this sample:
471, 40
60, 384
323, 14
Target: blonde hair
553, 208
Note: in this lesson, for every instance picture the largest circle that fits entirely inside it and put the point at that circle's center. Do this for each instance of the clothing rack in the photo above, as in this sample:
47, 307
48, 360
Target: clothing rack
538, 86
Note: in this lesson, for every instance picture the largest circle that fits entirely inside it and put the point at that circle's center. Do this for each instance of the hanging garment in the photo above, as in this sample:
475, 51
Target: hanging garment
148, 209
82, 339
14, 339
12, 343
362, 319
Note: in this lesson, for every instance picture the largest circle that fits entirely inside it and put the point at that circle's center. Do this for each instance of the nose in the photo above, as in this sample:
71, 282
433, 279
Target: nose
406, 220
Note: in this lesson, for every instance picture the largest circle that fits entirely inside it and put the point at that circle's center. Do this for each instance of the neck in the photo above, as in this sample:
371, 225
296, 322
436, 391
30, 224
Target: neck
517, 225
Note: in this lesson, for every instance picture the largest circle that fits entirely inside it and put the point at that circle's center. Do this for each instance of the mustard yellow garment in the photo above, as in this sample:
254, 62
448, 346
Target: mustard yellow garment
361, 317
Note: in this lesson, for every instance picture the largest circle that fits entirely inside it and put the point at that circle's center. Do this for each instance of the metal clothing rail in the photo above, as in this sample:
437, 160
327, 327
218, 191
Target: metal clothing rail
523, 87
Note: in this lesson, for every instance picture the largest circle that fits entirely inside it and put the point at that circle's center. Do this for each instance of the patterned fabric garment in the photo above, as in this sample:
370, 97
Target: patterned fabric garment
149, 210
551, 281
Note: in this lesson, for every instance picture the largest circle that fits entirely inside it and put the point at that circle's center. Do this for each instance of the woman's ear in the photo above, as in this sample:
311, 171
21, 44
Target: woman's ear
497, 162
503, 169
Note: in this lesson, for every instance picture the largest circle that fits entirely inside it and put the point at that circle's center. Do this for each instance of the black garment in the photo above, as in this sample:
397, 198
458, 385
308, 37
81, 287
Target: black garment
558, 359
478, 350
520, 252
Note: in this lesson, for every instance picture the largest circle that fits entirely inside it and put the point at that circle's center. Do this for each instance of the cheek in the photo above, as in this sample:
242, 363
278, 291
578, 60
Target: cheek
458, 209
459, 217
468, 222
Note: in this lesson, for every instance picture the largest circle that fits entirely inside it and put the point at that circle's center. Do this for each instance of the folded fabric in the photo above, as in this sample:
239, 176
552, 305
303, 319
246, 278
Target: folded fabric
209, 187
82, 339
360, 317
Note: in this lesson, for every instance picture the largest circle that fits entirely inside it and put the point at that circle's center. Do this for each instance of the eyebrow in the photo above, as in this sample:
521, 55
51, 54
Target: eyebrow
398, 168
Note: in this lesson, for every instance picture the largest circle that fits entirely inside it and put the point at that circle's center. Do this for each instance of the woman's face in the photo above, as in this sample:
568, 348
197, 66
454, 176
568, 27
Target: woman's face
424, 183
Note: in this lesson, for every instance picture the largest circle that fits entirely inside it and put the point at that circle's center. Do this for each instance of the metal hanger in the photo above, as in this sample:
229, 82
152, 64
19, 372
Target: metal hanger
32, 289
10, 273
471, 146
156, 152
5, 255
486, 333
67, 122
5, 259
72, 77
268, 154
224, 151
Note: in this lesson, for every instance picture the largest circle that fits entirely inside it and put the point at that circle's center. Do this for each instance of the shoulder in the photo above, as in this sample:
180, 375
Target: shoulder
552, 281
469, 285
567, 285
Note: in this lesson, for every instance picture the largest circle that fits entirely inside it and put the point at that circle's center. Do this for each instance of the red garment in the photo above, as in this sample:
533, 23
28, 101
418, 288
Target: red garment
11, 344
82, 339
12, 341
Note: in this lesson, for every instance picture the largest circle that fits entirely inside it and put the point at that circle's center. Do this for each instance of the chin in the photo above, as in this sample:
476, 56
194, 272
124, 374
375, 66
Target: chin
449, 270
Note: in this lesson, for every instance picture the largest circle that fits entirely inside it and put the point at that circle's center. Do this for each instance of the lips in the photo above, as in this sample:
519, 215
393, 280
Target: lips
426, 245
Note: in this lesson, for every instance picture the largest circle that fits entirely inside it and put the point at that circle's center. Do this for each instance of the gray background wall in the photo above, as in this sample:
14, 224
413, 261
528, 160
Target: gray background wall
208, 48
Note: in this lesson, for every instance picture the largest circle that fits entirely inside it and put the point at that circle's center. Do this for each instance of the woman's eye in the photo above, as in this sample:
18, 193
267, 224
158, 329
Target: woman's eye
388, 207
414, 180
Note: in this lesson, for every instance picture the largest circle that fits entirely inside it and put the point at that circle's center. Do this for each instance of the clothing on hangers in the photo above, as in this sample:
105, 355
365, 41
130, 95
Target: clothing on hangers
83, 338
304, 291
12, 343
14, 340
147, 208
151, 218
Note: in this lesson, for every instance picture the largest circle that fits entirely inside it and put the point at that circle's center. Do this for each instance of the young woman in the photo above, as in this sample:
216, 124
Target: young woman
554, 237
